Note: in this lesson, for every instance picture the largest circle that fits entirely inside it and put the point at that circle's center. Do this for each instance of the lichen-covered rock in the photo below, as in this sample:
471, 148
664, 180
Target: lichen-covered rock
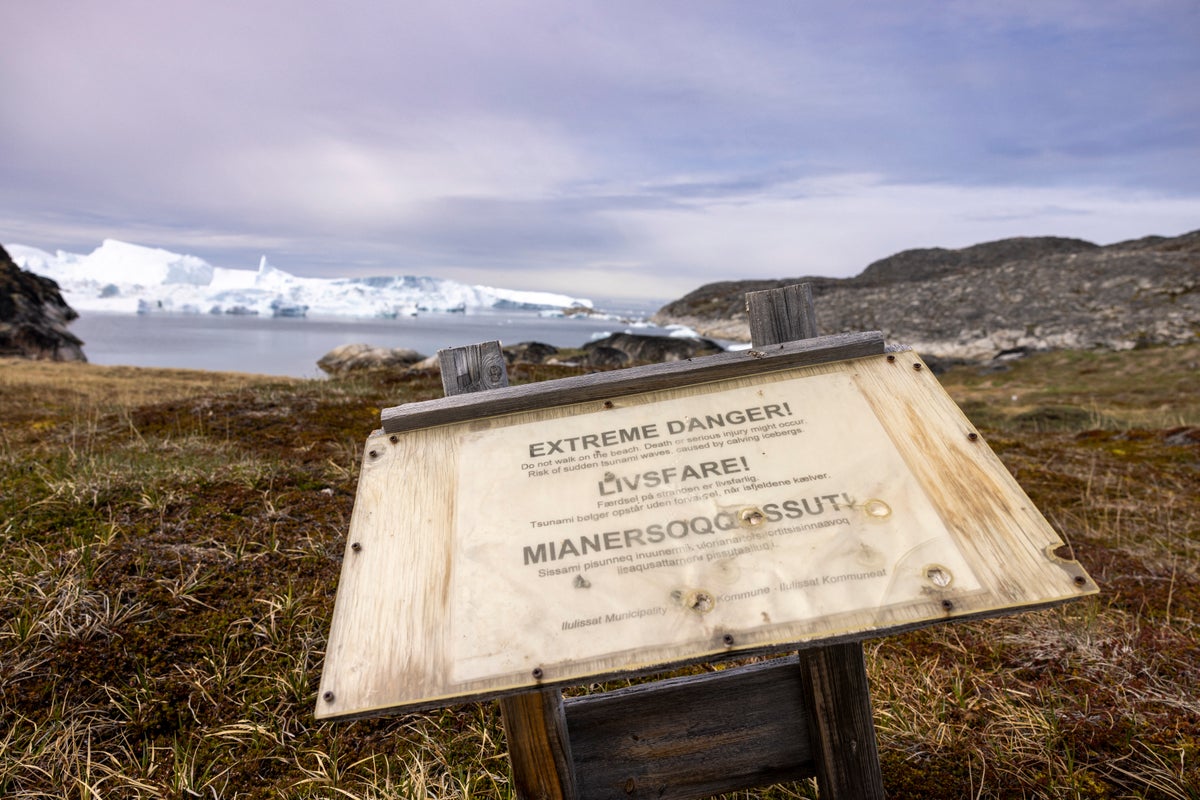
1036, 294
600, 357
529, 353
351, 358
653, 349
34, 316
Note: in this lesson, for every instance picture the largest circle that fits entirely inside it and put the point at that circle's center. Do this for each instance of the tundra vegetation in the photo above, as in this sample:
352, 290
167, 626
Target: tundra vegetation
171, 543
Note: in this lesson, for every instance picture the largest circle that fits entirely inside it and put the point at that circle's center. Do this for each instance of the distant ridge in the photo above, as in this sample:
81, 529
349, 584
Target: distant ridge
1031, 293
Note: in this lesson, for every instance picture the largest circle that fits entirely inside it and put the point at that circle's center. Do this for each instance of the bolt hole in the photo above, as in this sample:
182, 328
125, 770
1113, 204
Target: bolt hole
752, 517
701, 602
939, 576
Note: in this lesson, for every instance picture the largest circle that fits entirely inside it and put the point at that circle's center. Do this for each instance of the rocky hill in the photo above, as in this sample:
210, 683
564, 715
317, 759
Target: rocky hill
1040, 293
34, 316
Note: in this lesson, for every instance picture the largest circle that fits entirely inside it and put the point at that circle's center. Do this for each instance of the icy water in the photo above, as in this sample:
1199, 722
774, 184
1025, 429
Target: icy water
283, 346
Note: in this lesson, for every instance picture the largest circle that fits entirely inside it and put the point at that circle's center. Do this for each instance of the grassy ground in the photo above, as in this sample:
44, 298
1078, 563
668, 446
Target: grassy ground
170, 544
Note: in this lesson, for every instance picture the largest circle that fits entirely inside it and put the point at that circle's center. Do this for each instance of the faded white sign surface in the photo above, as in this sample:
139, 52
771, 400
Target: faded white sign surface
736, 514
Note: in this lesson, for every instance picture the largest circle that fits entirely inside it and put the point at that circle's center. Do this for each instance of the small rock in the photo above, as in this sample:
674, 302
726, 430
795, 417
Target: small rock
365, 358
529, 353
654, 349
606, 357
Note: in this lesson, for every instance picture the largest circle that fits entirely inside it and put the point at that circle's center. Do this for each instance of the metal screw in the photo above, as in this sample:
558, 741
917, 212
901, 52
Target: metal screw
972, 436
891, 359
947, 605
374, 454
1080, 580
537, 673
608, 403
916, 366
393, 438
356, 547
327, 697
727, 639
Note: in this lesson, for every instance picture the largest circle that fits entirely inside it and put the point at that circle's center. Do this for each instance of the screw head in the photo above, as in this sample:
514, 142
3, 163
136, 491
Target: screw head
727, 639
947, 605
973, 436
356, 547
891, 359
537, 673
917, 367
328, 697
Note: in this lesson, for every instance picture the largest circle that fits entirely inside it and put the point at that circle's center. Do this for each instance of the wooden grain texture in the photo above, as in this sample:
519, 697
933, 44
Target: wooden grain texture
692, 737
782, 315
968, 484
472, 368
838, 704
535, 728
833, 678
534, 724
603, 385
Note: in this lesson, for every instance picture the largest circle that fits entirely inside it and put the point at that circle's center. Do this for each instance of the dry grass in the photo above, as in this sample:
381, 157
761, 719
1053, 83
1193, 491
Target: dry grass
170, 544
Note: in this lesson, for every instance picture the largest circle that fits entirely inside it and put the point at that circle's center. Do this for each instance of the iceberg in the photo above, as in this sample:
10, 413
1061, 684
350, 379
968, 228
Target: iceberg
133, 279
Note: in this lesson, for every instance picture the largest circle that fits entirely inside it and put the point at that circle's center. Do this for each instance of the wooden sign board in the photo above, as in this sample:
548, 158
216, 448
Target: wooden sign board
752, 513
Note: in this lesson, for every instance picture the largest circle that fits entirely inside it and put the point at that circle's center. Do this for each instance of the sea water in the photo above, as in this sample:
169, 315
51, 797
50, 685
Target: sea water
292, 346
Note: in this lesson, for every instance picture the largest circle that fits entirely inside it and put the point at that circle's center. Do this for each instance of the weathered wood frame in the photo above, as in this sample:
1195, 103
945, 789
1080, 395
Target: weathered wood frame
693, 737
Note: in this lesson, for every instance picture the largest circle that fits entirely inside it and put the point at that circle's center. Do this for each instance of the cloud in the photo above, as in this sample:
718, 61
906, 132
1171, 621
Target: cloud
623, 147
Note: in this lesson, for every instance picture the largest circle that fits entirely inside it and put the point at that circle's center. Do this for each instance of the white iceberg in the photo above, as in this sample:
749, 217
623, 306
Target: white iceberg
129, 278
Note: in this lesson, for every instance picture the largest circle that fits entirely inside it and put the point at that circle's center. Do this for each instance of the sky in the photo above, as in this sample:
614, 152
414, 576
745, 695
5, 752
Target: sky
610, 149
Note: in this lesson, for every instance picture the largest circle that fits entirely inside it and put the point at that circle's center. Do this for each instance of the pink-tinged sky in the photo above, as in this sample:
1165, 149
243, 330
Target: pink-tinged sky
610, 148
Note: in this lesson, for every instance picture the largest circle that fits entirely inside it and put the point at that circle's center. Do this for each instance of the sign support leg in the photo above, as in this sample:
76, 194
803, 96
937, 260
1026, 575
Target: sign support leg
538, 746
833, 678
534, 723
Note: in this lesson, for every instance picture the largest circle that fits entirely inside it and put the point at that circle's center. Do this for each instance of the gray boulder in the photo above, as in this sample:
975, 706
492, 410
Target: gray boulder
529, 353
351, 358
602, 357
648, 349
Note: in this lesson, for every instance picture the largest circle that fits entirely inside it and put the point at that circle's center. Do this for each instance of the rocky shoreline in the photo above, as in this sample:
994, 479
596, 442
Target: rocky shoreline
612, 352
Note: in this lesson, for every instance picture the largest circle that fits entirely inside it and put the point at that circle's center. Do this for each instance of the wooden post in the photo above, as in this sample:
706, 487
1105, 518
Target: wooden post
534, 724
834, 677
838, 732
539, 748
